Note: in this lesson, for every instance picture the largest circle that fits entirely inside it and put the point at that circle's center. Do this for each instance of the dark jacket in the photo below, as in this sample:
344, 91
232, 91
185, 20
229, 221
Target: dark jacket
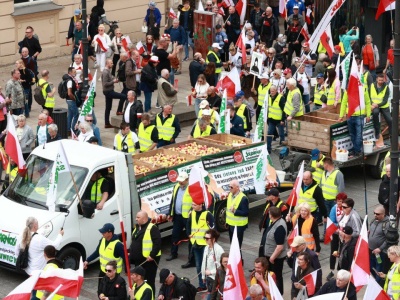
148, 79
32, 44
330, 287
56, 138
176, 290
135, 254
186, 15
134, 121
347, 254
237, 126
218, 284
233, 30
299, 278
269, 28
130, 76
253, 18
177, 35
383, 196
114, 289
195, 69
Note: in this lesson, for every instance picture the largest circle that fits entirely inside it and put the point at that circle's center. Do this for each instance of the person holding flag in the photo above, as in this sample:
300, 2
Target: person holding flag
101, 43
304, 268
332, 183
342, 284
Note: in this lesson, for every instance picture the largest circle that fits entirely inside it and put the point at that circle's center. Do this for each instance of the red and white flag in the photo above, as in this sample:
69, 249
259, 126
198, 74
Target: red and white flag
231, 83
326, 40
355, 91
330, 230
140, 47
375, 291
189, 100
13, 147
227, 3
311, 282
200, 7
282, 8
360, 266
308, 16
294, 195
235, 286
241, 10
197, 187
221, 11
273, 289
126, 41
385, 5
24, 290
172, 14
240, 43
293, 234
304, 32
101, 42
71, 281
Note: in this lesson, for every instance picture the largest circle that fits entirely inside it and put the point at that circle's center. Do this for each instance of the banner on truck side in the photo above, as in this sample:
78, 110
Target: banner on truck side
8, 247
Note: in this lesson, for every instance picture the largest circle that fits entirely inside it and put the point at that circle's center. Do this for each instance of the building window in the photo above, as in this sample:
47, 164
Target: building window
27, 1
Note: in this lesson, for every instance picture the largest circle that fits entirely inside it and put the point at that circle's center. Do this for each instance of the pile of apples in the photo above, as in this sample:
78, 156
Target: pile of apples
196, 149
164, 160
238, 142
141, 169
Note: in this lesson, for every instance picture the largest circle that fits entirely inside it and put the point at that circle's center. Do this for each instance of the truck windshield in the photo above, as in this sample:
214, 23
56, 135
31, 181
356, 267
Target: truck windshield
31, 188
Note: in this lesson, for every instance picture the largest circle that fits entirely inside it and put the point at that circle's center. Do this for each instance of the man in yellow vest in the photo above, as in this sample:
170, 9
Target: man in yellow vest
214, 116
237, 211
109, 248
126, 140
168, 126
276, 116
261, 91
199, 221
294, 104
98, 189
213, 56
141, 290
202, 127
379, 95
147, 134
145, 249
332, 183
319, 98
316, 164
49, 91
243, 111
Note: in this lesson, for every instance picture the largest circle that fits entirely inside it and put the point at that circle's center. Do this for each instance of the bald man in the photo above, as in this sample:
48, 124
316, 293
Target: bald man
196, 67
145, 249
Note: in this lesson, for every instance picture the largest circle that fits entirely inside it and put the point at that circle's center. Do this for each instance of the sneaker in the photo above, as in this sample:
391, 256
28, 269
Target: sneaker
178, 73
95, 65
158, 106
185, 59
330, 276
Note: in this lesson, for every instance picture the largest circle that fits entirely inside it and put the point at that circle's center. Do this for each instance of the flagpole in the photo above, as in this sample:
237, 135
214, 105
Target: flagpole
76, 189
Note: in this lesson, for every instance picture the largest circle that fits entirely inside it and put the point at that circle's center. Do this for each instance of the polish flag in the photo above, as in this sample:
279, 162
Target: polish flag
172, 14
101, 42
71, 281
126, 41
294, 195
273, 289
235, 286
201, 7
375, 291
304, 32
221, 11
330, 230
241, 10
140, 47
231, 83
327, 41
227, 3
385, 5
311, 282
189, 100
241, 44
282, 8
355, 91
293, 234
24, 290
360, 266
12, 147
308, 16
197, 187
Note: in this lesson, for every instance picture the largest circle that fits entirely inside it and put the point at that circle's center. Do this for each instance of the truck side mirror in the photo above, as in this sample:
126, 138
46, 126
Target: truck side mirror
88, 208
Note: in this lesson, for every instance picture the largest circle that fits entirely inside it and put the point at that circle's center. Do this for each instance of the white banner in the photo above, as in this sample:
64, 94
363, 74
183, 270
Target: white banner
8, 247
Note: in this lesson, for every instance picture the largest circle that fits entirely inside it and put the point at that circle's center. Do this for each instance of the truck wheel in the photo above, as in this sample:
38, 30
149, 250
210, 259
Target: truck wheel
220, 216
297, 162
375, 171
70, 258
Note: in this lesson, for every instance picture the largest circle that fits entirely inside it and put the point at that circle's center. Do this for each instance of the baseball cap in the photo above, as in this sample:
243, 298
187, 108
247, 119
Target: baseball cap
273, 192
306, 44
218, 26
93, 139
182, 176
166, 36
297, 241
264, 76
315, 152
203, 104
348, 230
77, 12
154, 59
338, 48
239, 94
215, 45
139, 270
320, 75
296, 7
108, 227
164, 273
287, 71
152, 3
206, 112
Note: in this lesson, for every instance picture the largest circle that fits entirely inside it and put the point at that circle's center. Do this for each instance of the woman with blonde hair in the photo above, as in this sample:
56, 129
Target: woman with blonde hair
392, 278
27, 79
200, 92
117, 47
25, 136
101, 43
86, 132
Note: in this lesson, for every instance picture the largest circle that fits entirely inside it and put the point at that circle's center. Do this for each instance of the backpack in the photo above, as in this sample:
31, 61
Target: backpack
121, 72
38, 95
190, 287
23, 255
62, 89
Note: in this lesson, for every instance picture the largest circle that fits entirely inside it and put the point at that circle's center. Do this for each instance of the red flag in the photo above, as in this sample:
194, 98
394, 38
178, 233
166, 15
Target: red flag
308, 16
171, 14
294, 195
375, 291
221, 11
304, 32
140, 47
385, 5
311, 282
12, 147
24, 290
241, 44
293, 234
355, 91
326, 40
125, 44
241, 10
231, 83
189, 100
197, 187
282, 8
235, 286
360, 265
330, 230
227, 3
273, 289
101, 42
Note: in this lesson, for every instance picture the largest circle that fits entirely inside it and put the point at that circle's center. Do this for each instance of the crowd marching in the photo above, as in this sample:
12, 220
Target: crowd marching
297, 77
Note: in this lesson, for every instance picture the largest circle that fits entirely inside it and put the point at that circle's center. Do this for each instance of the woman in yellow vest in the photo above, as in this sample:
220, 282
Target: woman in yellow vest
308, 226
333, 92
392, 278
199, 221
112, 285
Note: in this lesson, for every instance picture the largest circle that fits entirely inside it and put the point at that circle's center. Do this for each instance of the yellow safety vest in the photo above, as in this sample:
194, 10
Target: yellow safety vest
128, 140
261, 92
197, 132
144, 135
95, 192
218, 60
186, 201
213, 114
331, 94
13, 174
377, 98
240, 113
329, 189
317, 174
147, 243
274, 110
395, 282
138, 294
231, 219
39, 294
166, 130
317, 95
106, 255
289, 103
50, 101
307, 197
306, 231
199, 228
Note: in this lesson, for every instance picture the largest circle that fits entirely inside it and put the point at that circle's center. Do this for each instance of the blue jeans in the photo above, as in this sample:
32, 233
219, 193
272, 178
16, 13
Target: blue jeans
373, 264
316, 107
147, 101
355, 125
28, 101
171, 78
188, 44
197, 106
198, 257
73, 114
306, 99
272, 124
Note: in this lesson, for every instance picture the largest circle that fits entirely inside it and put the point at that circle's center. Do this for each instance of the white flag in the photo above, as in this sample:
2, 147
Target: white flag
260, 171
225, 120
345, 70
262, 119
60, 165
87, 107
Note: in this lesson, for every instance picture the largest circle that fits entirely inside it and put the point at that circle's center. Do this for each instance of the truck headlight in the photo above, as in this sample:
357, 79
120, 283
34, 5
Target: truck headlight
46, 229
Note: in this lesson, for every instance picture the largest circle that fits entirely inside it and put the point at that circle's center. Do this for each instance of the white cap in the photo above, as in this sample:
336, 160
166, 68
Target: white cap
203, 104
154, 59
182, 176
206, 112
264, 76
216, 45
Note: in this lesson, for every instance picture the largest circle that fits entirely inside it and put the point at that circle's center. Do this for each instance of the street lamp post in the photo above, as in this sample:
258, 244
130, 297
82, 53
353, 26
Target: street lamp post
85, 47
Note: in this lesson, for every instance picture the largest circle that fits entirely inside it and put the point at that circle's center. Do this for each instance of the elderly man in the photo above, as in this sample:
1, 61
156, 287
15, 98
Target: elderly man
196, 67
167, 94
178, 35
52, 130
276, 116
130, 70
347, 248
168, 126
173, 287
309, 58
29, 62
89, 118
294, 105
232, 25
77, 37
340, 284
15, 92
213, 98
42, 134
269, 28
133, 111
256, 293
202, 127
147, 134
